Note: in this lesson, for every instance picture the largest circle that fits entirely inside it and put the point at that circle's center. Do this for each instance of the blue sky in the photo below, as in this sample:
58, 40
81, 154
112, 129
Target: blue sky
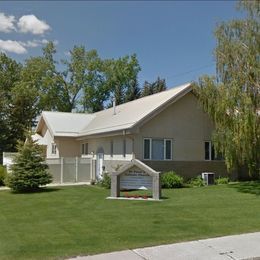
172, 39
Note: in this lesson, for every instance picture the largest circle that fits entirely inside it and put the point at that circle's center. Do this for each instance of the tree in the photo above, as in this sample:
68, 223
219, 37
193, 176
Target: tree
121, 75
96, 91
154, 87
133, 92
232, 98
29, 170
10, 72
83, 79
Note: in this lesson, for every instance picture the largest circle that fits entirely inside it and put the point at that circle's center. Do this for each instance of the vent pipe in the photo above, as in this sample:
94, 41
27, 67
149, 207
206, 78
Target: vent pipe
114, 106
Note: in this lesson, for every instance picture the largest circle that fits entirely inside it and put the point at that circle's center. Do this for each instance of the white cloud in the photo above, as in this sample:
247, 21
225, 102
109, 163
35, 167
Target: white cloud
7, 23
31, 44
35, 43
31, 24
12, 46
45, 41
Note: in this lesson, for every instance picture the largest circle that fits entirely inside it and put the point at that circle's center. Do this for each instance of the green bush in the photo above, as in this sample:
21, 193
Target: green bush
105, 182
171, 180
3, 174
197, 182
29, 170
221, 180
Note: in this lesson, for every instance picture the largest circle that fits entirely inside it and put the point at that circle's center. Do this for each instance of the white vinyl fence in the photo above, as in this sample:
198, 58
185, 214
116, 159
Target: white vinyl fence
71, 169
64, 169
8, 159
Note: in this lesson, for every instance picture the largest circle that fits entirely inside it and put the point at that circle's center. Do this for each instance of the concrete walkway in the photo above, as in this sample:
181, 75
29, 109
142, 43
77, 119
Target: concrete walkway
242, 247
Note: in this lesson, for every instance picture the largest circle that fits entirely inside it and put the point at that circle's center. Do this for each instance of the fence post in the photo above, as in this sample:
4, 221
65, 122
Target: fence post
61, 169
90, 169
77, 168
93, 169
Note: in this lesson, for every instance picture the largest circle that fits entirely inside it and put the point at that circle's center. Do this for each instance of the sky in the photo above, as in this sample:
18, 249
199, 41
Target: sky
172, 39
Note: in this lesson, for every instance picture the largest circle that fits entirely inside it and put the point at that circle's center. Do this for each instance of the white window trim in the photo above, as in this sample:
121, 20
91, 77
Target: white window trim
164, 149
55, 149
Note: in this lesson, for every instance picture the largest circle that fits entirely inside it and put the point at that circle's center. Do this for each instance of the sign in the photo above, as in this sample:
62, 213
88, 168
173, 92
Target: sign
133, 180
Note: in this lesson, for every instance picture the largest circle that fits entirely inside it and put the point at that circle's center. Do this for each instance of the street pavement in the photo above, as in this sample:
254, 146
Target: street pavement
237, 247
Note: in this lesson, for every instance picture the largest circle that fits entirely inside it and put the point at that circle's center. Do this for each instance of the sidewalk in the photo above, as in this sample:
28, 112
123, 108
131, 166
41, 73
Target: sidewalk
242, 247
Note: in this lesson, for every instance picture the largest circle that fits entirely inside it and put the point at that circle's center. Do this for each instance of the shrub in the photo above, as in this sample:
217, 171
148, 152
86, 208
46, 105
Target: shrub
3, 174
221, 180
106, 181
29, 170
197, 182
171, 180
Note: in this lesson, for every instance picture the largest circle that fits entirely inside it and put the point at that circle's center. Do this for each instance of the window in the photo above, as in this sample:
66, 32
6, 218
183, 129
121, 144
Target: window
84, 148
157, 149
124, 148
210, 153
168, 149
147, 149
111, 148
207, 148
53, 148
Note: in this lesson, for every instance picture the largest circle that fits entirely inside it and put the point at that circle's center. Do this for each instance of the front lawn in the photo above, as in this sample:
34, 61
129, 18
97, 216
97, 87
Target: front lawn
70, 221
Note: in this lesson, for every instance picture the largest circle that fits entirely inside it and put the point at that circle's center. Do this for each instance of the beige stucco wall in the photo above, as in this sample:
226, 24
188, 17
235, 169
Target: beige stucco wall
48, 139
67, 146
185, 123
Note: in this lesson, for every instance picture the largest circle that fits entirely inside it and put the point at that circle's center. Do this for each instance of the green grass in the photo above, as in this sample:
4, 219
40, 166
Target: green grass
70, 221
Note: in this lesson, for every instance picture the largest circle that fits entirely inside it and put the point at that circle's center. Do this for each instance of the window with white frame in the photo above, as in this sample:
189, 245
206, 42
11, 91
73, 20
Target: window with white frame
157, 149
53, 148
84, 148
210, 153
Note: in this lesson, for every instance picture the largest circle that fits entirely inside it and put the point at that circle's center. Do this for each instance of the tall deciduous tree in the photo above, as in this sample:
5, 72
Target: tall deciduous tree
121, 77
10, 72
232, 99
96, 91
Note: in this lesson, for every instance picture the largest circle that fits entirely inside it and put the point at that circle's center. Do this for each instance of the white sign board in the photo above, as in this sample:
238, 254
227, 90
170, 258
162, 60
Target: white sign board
135, 180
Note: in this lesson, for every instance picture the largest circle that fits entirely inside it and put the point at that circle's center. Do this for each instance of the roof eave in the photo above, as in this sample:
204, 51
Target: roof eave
126, 131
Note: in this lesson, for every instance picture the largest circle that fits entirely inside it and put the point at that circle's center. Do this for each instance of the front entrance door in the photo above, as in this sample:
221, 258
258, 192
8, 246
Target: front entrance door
99, 170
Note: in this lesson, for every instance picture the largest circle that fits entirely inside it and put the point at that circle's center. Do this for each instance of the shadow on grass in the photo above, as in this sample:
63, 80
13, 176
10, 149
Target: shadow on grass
39, 190
252, 187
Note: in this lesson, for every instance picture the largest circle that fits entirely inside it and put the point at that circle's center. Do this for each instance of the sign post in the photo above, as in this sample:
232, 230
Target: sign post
133, 176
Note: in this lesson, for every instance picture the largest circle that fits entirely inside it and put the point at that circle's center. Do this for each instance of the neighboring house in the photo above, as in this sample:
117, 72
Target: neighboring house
167, 131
